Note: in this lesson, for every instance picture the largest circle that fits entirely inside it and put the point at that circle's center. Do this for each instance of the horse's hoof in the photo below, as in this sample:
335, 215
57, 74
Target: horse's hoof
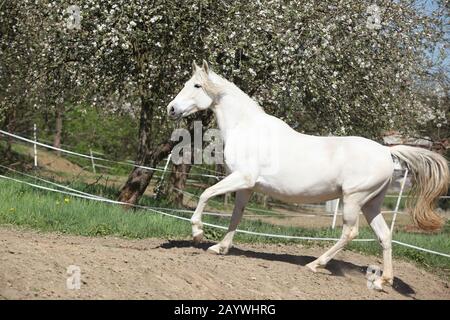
312, 266
377, 285
389, 281
197, 236
217, 249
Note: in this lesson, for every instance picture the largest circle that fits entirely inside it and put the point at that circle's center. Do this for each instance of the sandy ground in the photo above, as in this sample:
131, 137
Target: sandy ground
34, 266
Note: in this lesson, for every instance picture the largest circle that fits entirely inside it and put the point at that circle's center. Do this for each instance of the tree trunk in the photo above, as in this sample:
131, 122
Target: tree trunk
221, 170
7, 152
262, 199
179, 174
139, 178
176, 184
59, 127
9, 124
178, 177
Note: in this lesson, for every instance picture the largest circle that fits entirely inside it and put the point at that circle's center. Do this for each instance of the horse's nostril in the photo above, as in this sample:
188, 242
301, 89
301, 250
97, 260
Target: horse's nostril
172, 111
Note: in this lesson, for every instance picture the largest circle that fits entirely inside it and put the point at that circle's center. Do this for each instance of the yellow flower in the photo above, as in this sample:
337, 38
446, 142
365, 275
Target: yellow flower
12, 209
66, 200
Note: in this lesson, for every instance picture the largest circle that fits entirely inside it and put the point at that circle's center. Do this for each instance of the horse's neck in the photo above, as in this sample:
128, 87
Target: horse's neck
234, 109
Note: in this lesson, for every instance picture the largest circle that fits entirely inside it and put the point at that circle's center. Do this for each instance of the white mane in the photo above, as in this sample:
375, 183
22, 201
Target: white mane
217, 87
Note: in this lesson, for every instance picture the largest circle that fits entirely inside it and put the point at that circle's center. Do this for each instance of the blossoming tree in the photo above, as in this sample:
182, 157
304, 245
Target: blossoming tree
330, 67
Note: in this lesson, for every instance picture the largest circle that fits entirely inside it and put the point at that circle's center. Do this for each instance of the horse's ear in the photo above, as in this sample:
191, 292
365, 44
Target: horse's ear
194, 66
205, 66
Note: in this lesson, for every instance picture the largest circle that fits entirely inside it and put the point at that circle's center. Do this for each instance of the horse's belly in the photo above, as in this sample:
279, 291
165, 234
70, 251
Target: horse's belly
299, 194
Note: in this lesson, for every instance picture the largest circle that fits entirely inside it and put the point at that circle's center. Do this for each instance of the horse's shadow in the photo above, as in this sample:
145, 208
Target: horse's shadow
335, 267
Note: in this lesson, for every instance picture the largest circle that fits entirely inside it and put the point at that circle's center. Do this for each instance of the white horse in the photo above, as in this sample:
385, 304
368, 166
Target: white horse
306, 168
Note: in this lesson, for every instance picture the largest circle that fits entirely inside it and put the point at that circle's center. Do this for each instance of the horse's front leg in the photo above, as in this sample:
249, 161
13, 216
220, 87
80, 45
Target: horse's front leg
233, 182
242, 198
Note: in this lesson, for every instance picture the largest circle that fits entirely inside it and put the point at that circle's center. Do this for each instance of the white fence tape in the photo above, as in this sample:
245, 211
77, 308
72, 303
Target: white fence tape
420, 248
95, 198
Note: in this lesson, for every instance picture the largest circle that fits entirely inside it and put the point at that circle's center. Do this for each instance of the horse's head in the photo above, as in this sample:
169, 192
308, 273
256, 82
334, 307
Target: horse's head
194, 96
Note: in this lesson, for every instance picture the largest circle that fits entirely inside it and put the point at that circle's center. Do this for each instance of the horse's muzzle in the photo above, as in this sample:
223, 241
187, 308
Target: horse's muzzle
171, 112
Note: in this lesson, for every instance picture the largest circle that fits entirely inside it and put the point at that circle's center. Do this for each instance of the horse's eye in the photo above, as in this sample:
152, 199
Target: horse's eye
197, 86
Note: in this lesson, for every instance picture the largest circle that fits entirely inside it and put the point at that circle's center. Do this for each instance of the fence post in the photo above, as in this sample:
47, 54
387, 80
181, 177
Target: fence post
226, 198
397, 205
35, 146
92, 161
335, 213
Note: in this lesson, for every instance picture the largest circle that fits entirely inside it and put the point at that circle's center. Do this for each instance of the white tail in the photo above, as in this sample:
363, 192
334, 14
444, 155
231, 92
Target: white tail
431, 177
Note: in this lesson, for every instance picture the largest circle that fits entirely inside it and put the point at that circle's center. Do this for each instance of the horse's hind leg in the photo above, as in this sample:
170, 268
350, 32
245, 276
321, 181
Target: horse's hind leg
372, 213
349, 232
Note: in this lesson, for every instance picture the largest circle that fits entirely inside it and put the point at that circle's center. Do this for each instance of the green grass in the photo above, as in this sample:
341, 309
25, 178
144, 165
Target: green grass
25, 206
390, 202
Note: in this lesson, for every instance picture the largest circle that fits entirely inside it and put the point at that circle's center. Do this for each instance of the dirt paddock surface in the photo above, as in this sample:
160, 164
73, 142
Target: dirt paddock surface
34, 266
